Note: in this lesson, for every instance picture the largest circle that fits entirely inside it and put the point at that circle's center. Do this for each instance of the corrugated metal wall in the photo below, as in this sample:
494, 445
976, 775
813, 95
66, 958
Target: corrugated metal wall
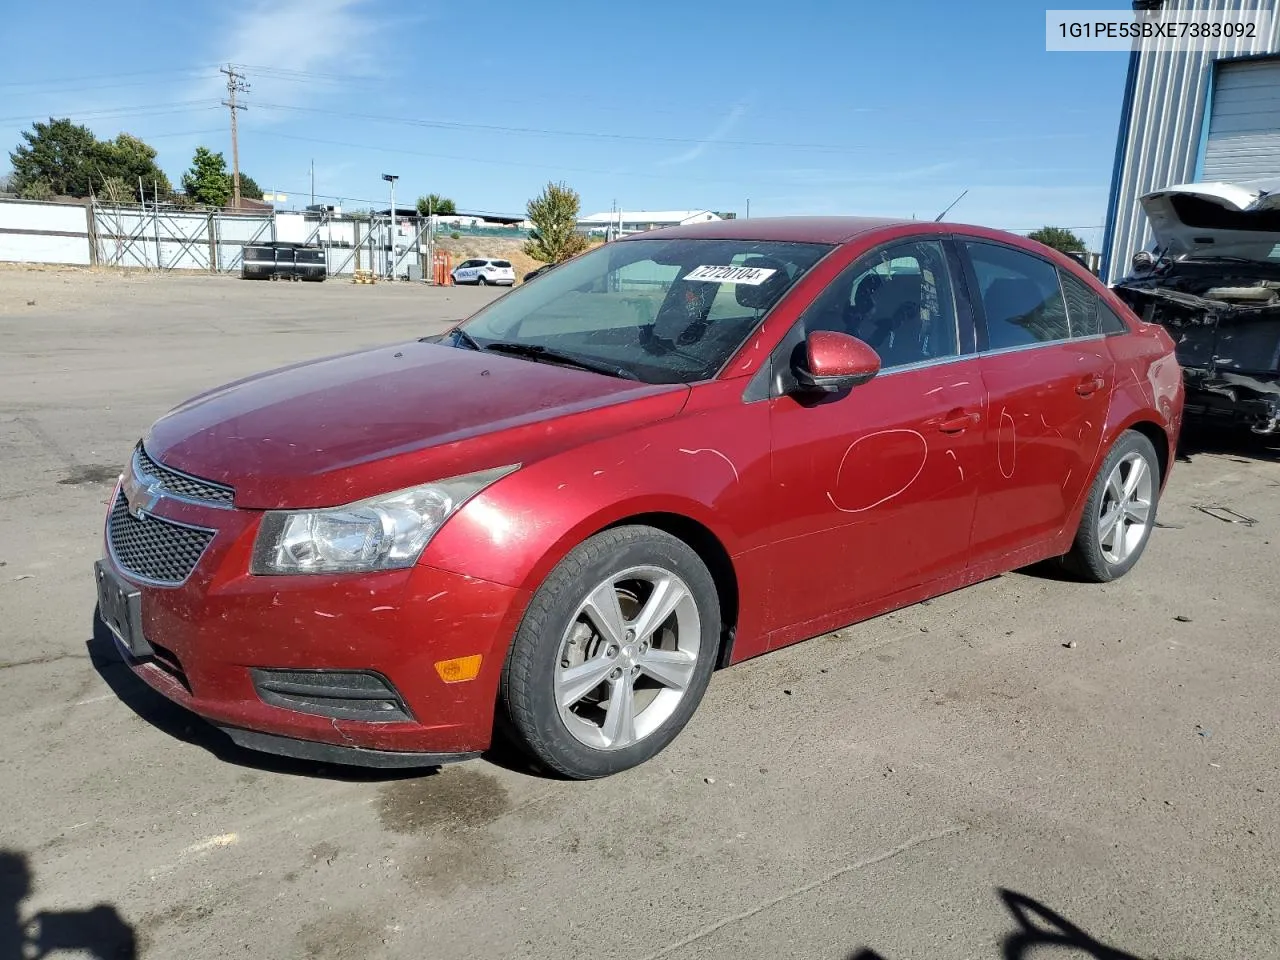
1161, 131
1244, 126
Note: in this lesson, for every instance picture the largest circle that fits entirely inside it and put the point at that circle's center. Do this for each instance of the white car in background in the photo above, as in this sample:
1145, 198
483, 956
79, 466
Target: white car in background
483, 270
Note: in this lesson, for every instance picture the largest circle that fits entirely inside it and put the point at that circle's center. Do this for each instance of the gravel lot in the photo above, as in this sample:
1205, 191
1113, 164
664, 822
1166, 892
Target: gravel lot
952, 781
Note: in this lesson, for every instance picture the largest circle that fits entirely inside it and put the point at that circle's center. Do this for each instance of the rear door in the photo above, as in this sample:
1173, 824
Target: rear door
1047, 397
875, 489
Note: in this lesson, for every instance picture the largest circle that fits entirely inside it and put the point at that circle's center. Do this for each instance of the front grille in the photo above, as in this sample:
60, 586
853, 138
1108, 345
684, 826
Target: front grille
181, 484
152, 548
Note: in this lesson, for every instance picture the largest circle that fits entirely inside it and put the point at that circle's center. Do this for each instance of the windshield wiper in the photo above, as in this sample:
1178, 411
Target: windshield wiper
537, 352
471, 342
1223, 258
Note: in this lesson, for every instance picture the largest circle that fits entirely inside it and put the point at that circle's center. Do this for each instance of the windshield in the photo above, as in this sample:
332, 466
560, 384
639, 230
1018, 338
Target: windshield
661, 311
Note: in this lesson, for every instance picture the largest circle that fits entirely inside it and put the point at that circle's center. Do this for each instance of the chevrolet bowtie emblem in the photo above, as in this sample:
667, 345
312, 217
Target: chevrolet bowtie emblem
142, 493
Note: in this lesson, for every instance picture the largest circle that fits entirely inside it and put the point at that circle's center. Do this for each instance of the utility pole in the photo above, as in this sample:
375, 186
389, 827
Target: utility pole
236, 83
313, 183
391, 178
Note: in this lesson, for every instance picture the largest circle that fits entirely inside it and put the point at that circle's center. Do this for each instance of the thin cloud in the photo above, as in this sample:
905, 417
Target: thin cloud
321, 34
722, 130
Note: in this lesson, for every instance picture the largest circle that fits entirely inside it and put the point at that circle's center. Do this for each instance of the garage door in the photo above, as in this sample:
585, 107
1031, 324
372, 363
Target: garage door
1244, 127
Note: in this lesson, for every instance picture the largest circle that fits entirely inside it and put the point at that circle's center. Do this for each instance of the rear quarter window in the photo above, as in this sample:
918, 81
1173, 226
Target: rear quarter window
1088, 313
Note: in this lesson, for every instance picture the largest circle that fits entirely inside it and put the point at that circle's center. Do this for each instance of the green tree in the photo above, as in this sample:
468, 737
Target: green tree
129, 159
554, 213
207, 181
433, 203
249, 187
117, 190
36, 190
60, 154
1060, 238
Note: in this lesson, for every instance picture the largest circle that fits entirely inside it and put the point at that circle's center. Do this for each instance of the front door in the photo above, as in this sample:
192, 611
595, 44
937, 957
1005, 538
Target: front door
876, 488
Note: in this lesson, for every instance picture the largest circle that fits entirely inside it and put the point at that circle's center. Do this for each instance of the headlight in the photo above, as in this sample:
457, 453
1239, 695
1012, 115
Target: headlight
382, 533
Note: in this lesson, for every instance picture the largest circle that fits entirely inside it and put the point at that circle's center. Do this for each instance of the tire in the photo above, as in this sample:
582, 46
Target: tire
565, 653
481, 281
1098, 556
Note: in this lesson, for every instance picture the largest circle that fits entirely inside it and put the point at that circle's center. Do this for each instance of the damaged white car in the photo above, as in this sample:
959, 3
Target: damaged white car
1213, 280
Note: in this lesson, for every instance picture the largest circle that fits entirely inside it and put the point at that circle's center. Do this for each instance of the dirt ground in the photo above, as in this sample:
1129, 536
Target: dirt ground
1025, 764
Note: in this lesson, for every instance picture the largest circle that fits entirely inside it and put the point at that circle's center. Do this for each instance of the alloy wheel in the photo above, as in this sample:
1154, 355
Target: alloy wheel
627, 657
1125, 513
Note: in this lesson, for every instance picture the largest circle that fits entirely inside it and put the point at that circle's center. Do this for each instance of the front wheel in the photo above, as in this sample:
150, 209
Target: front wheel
614, 654
1120, 512
482, 282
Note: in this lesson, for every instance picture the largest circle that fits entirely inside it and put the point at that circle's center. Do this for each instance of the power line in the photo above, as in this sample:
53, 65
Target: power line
158, 109
538, 131
104, 76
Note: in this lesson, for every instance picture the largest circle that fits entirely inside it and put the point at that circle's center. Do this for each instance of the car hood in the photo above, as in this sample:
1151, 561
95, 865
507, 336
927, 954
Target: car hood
1214, 218
339, 429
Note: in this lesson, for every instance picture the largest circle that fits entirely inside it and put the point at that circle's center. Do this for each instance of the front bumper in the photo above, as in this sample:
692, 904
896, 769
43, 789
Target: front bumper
209, 640
1238, 399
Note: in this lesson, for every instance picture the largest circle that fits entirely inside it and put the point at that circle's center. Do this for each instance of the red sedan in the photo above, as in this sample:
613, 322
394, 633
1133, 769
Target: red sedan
677, 451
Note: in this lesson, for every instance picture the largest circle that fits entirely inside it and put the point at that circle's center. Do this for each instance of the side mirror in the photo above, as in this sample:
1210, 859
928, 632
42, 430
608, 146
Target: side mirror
833, 362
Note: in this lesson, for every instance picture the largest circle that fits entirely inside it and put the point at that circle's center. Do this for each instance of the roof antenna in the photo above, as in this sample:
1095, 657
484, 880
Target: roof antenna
948, 210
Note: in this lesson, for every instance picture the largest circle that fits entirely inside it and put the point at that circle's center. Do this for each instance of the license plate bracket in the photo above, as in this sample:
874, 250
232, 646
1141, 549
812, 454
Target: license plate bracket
120, 607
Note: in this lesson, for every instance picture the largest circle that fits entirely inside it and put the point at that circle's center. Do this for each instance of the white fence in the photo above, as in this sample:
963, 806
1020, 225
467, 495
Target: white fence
150, 238
44, 232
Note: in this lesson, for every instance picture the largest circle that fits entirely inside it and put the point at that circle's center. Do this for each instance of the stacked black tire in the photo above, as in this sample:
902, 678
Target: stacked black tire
283, 261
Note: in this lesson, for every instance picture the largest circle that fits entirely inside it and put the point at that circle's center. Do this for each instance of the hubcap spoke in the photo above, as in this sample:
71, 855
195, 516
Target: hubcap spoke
1115, 486
620, 716
667, 594
577, 682
1137, 511
1137, 473
605, 614
671, 668
1109, 524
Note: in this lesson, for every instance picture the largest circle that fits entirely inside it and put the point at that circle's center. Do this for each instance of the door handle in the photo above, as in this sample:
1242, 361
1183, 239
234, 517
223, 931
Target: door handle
1090, 385
959, 420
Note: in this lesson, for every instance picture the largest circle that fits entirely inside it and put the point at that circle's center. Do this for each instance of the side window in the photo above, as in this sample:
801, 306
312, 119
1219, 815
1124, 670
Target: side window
898, 300
1021, 296
1089, 314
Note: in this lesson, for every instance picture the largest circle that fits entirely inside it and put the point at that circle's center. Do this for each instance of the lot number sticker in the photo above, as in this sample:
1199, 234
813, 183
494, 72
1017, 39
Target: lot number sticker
750, 276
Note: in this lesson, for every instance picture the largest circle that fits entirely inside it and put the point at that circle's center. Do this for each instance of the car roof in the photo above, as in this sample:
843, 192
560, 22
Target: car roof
796, 229
839, 230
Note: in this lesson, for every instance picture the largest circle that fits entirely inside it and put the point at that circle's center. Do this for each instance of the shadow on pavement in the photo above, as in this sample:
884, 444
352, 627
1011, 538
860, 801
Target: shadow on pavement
1235, 443
1037, 926
99, 932
182, 724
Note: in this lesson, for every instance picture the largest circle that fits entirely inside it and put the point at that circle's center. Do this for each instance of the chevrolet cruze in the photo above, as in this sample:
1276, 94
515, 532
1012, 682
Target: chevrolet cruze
679, 450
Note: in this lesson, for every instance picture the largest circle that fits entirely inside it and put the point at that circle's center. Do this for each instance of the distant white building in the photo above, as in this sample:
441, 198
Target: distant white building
623, 222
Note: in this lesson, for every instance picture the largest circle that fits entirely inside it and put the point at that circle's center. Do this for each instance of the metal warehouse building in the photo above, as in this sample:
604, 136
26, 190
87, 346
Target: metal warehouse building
1192, 117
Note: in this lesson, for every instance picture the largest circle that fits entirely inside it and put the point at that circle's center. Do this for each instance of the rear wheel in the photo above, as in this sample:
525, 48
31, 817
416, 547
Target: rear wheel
614, 653
481, 281
1120, 512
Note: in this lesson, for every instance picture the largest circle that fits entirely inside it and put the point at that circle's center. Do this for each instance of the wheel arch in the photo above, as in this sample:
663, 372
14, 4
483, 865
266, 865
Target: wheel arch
709, 548
1159, 439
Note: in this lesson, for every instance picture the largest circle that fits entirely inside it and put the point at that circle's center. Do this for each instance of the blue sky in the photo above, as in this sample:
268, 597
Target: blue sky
803, 107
